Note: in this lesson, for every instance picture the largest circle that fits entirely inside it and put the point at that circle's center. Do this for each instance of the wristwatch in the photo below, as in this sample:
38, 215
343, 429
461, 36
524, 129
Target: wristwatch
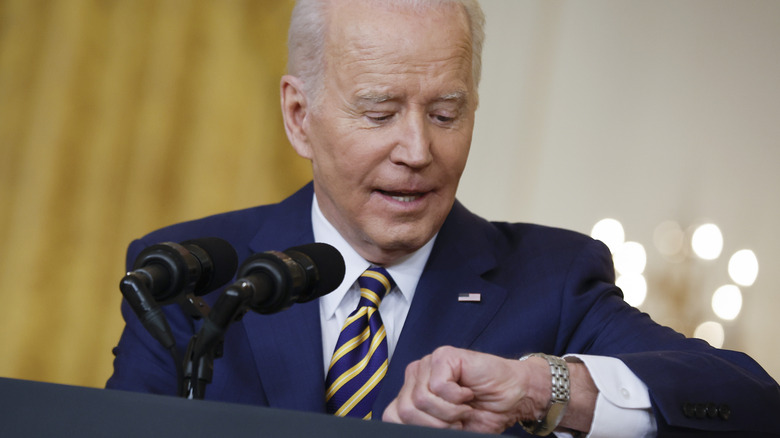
558, 401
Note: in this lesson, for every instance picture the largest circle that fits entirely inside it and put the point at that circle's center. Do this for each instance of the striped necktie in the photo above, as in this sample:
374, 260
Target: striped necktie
360, 359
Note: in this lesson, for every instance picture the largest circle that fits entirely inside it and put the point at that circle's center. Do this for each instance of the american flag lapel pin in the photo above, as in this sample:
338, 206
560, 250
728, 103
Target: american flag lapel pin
469, 297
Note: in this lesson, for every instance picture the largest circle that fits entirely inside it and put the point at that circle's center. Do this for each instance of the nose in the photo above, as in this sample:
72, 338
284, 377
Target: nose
413, 147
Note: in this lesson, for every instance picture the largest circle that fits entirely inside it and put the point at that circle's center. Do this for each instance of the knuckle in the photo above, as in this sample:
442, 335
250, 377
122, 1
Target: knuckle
444, 350
420, 399
412, 368
405, 413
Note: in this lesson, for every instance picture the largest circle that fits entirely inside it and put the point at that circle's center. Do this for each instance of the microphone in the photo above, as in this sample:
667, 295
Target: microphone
270, 282
195, 266
166, 271
297, 275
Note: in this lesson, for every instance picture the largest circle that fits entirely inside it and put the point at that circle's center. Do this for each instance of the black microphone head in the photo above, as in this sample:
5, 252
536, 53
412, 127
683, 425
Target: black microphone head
167, 269
324, 268
218, 261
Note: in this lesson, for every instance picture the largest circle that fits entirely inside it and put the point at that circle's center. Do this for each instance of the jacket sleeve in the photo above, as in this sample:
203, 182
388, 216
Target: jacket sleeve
692, 386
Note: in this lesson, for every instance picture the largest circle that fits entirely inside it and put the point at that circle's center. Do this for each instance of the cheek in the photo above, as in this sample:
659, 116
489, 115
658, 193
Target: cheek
355, 152
454, 154
345, 163
327, 151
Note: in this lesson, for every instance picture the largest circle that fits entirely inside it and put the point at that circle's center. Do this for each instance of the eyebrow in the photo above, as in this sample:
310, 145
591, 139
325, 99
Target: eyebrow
370, 97
374, 97
458, 97
455, 95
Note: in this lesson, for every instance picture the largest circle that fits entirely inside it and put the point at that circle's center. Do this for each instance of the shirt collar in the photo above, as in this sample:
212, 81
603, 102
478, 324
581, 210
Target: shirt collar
405, 273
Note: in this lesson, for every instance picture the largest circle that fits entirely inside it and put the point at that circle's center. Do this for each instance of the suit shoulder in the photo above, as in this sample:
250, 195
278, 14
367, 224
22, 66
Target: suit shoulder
505, 238
542, 232
223, 225
233, 226
535, 236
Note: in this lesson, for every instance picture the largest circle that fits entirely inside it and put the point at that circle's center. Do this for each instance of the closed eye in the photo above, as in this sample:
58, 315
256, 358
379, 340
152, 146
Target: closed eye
379, 117
443, 119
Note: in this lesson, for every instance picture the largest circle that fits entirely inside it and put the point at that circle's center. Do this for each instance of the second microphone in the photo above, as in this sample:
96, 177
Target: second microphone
270, 282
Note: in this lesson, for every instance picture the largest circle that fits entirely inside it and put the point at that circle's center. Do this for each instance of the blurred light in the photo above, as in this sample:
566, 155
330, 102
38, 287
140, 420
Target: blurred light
669, 238
609, 231
634, 288
727, 302
707, 241
712, 332
743, 267
630, 258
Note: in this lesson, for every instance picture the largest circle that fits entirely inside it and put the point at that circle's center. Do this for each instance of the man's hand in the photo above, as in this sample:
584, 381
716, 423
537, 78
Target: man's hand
463, 389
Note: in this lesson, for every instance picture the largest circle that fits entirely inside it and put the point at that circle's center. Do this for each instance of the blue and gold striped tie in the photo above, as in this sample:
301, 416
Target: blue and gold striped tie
360, 360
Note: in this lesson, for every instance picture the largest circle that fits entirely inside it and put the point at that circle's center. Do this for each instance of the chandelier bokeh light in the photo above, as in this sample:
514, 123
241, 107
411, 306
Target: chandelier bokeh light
706, 243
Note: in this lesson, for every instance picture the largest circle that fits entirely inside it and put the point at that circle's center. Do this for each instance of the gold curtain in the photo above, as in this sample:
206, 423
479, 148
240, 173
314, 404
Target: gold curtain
118, 117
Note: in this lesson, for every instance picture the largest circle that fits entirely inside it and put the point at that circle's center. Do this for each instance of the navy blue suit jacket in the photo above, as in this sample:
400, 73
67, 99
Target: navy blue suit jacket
543, 290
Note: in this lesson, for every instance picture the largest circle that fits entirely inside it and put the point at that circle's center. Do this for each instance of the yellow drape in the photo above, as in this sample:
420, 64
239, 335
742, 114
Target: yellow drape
118, 117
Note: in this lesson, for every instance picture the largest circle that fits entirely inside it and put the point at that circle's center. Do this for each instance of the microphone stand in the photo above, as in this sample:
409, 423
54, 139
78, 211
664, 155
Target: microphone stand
198, 371
206, 345
197, 308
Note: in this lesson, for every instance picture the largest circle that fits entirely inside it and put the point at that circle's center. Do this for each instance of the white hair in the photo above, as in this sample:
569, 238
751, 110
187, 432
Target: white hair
306, 38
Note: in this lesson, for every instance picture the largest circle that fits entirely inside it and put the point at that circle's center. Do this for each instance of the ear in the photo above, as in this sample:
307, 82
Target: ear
295, 110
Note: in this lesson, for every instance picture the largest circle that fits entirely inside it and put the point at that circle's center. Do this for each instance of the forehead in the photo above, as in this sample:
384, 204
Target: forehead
383, 45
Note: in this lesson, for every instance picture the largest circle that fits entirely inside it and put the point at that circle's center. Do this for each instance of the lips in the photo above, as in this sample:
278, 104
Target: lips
403, 196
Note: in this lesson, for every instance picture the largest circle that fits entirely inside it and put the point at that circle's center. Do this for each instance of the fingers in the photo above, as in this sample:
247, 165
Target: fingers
462, 389
417, 404
445, 368
484, 421
391, 413
401, 411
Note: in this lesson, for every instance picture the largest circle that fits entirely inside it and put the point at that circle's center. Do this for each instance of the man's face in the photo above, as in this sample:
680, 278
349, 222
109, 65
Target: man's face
391, 130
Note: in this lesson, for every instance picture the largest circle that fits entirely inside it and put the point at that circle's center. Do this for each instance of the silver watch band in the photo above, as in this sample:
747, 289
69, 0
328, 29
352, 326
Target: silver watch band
558, 401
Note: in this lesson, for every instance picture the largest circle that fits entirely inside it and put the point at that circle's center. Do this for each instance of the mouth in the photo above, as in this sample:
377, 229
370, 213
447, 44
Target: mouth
402, 196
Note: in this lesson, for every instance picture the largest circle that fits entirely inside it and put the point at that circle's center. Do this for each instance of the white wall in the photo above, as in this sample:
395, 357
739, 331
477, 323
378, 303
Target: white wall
642, 111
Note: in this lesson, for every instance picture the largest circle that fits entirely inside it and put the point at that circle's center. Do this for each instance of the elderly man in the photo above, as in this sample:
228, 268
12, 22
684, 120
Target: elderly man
381, 97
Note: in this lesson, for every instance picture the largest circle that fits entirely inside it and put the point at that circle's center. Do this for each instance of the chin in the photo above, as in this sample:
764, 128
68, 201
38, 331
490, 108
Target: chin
402, 245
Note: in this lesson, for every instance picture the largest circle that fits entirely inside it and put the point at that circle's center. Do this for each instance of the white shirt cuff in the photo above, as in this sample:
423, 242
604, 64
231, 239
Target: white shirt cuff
623, 406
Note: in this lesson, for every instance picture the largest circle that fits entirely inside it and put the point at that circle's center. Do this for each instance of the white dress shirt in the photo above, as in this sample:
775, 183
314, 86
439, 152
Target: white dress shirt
336, 306
623, 403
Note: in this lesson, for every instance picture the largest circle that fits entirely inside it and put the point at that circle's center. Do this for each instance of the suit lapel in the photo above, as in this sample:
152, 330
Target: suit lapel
287, 349
287, 346
436, 317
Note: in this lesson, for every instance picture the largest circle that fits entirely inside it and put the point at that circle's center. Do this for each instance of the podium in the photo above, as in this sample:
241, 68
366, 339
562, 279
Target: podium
37, 409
